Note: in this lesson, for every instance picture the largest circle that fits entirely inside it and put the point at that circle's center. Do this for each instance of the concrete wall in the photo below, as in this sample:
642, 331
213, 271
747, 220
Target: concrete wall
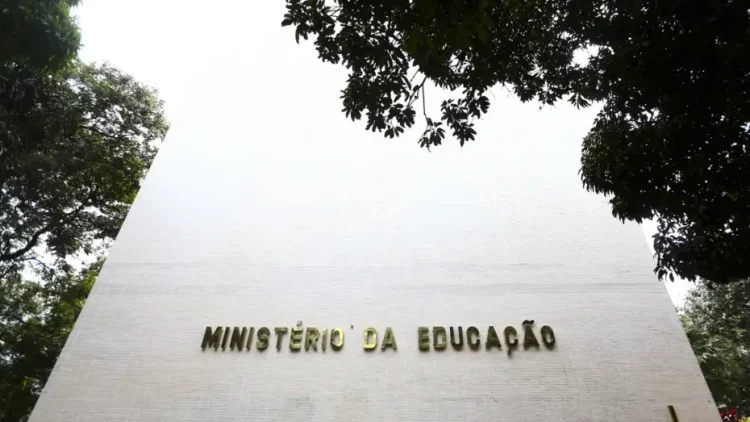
268, 208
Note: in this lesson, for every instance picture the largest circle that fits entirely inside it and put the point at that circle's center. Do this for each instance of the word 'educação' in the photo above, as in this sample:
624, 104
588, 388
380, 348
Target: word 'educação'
314, 339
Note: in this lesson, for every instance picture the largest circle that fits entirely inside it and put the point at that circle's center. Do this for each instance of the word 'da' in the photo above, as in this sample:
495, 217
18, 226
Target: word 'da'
242, 338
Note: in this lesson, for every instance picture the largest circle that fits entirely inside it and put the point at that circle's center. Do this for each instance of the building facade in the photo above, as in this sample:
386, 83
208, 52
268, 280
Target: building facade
310, 236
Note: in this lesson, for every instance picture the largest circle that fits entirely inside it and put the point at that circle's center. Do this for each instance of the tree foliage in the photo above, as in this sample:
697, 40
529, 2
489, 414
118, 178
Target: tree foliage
37, 39
75, 143
717, 322
38, 34
37, 318
87, 149
673, 79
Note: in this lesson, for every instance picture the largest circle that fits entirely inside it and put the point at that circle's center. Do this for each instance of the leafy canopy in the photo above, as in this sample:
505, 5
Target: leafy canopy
87, 149
75, 143
37, 319
673, 78
717, 322
39, 34
38, 39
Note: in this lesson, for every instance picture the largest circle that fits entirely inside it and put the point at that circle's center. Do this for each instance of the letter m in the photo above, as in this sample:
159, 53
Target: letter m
212, 339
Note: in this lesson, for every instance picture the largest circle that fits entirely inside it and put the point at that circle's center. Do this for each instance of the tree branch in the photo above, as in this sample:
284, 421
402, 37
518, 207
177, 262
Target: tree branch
413, 76
7, 271
99, 132
42, 263
14, 318
95, 130
9, 256
415, 94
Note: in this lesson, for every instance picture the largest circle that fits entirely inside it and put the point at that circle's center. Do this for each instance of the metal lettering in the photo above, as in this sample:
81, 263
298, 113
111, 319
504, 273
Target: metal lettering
295, 339
311, 338
492, 339
423, 336
460, 344
389, 340
472, 332
439, 339
337, 339
226, 337
237, 338
529, 339
212, 339
263, 334
250, 333
280, 331
370, 333
548, 336
512, 344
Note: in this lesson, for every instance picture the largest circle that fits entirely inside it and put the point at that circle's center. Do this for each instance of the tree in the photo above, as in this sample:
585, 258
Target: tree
87, 144
75, 143
724, 310
673, 79
717, 322
38, 34
37, 320
92, 144
66, 189
37, 40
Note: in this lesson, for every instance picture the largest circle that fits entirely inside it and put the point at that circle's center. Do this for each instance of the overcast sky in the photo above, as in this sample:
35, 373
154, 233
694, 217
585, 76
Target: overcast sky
194, 54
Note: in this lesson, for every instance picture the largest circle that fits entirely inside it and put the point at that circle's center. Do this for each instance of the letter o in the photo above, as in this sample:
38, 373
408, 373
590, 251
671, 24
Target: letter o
337, 339
548, 336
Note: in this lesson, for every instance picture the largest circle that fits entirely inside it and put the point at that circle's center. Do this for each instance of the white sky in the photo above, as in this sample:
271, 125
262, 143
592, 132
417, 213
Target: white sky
191, 53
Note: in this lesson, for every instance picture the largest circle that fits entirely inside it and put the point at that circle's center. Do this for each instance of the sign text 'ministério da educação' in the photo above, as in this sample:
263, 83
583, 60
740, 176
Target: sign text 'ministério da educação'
313, 339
